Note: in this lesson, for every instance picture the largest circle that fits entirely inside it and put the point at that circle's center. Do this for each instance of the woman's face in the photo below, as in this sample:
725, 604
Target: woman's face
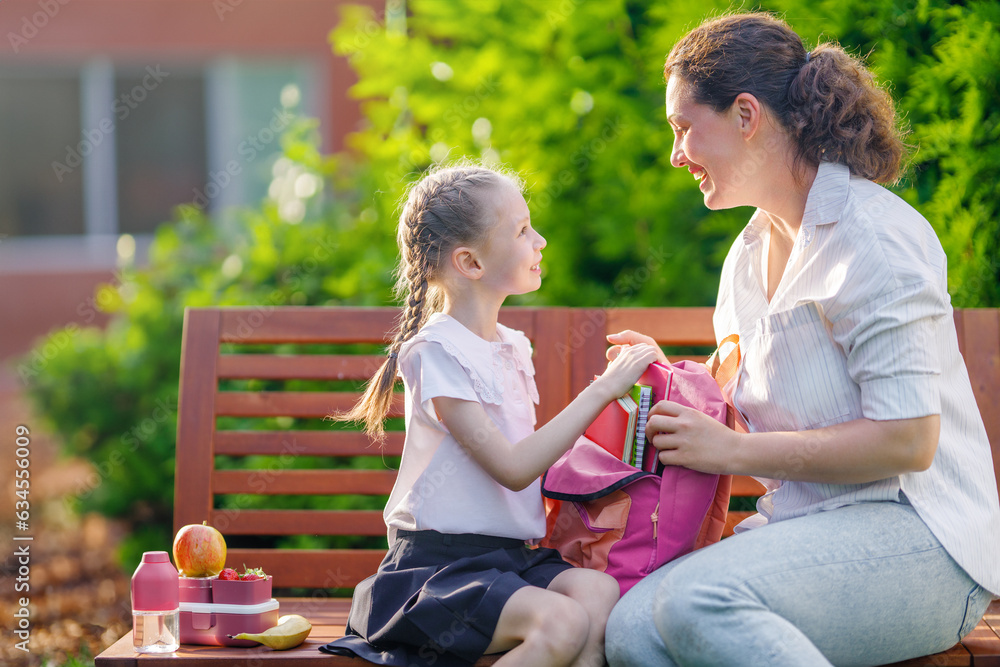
710, 144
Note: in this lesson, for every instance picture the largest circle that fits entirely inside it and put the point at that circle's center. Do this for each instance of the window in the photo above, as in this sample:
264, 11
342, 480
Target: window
245, 120
160, 148
112, 147
41, 193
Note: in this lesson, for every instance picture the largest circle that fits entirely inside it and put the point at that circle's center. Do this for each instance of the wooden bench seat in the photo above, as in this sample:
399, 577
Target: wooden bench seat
255, 383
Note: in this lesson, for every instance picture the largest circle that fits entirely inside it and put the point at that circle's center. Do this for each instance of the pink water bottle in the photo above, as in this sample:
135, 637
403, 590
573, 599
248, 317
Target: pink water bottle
155, 605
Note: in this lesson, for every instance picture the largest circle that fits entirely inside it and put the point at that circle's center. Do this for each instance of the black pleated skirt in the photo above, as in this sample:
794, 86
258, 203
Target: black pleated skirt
436, 598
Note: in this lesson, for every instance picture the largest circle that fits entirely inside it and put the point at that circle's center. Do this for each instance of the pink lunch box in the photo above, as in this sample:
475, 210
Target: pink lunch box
213, 609
208, 623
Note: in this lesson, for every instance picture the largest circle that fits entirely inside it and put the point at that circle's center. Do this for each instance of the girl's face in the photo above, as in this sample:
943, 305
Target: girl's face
512, 254
708, 143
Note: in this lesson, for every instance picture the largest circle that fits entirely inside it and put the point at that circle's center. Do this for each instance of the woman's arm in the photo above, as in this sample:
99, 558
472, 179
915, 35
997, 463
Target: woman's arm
516, 465
854, 452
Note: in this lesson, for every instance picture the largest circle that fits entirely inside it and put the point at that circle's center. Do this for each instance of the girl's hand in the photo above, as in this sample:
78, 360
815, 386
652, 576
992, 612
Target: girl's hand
626, 368
628, 337
690, 438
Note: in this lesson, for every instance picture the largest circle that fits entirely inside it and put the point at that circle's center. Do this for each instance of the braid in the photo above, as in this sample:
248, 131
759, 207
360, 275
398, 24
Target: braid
413, 312
446, 209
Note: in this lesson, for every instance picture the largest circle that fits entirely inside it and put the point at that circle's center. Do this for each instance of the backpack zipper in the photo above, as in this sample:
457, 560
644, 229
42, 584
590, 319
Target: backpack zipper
654, 518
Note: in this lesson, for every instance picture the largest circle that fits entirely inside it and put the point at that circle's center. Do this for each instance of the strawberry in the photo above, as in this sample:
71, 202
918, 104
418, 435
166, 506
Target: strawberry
229, 574
252, 575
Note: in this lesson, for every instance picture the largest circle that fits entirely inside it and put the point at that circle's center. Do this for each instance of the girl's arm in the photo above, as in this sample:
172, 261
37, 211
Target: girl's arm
853, 452
516, 465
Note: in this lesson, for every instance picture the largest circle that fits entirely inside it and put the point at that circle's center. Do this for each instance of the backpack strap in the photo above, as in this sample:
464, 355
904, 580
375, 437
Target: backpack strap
723, 371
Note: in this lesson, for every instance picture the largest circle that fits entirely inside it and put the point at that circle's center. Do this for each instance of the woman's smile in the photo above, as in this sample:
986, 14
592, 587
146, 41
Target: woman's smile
699, 174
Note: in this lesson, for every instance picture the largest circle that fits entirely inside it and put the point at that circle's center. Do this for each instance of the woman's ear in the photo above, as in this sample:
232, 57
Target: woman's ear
748, 113
466, 263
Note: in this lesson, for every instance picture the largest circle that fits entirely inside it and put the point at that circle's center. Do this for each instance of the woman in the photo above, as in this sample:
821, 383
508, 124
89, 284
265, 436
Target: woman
879, 537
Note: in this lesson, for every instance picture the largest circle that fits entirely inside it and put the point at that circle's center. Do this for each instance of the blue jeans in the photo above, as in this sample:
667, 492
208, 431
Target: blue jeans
860, 585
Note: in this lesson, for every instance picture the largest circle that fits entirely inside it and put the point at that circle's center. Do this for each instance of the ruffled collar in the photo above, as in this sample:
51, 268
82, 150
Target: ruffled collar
482, 359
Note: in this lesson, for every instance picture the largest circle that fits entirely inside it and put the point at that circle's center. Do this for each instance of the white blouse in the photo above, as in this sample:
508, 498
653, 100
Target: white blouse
861, 326
440, 486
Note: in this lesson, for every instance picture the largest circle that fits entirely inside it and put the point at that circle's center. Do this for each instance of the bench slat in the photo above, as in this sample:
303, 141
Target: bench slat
522, 319
979, 336
314, 324
956, 656
983, 641
304, 482
552, 367
669, 326
308, 404
299, 522
298, 367
306, 324
306, 443
310, 568
992, 617
586, 346
327, 615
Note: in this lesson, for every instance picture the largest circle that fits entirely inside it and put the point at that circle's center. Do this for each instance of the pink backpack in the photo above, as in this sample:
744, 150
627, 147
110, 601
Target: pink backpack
607, 515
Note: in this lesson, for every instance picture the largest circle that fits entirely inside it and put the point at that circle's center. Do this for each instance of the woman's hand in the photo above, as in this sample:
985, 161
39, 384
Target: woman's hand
690, 438
628, 337
626, 368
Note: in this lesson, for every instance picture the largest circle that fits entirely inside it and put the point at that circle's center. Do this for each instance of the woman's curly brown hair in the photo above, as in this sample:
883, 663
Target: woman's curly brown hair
826, 99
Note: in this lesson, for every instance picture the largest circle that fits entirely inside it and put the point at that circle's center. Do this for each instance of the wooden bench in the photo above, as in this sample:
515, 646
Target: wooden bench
234, 360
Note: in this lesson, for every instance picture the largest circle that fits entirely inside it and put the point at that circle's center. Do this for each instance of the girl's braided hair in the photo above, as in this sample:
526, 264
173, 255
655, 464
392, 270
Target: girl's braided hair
451, 206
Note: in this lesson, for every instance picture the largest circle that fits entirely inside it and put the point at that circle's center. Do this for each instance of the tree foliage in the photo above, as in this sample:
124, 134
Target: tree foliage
942, 63
569, 94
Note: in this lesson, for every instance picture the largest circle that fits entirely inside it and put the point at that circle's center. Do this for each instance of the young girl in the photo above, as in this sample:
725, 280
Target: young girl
458, 581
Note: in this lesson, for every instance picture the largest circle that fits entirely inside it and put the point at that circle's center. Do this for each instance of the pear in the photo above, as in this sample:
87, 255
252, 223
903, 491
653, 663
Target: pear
290, 631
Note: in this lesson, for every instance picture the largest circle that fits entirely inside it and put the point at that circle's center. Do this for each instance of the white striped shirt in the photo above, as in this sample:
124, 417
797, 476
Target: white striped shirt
861, 326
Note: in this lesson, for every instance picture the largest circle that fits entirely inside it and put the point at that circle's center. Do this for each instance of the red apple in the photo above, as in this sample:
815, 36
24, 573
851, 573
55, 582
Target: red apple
199, 551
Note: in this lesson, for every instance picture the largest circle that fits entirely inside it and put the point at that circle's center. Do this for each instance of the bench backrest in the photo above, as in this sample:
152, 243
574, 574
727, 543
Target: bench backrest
208, 487
233, 367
